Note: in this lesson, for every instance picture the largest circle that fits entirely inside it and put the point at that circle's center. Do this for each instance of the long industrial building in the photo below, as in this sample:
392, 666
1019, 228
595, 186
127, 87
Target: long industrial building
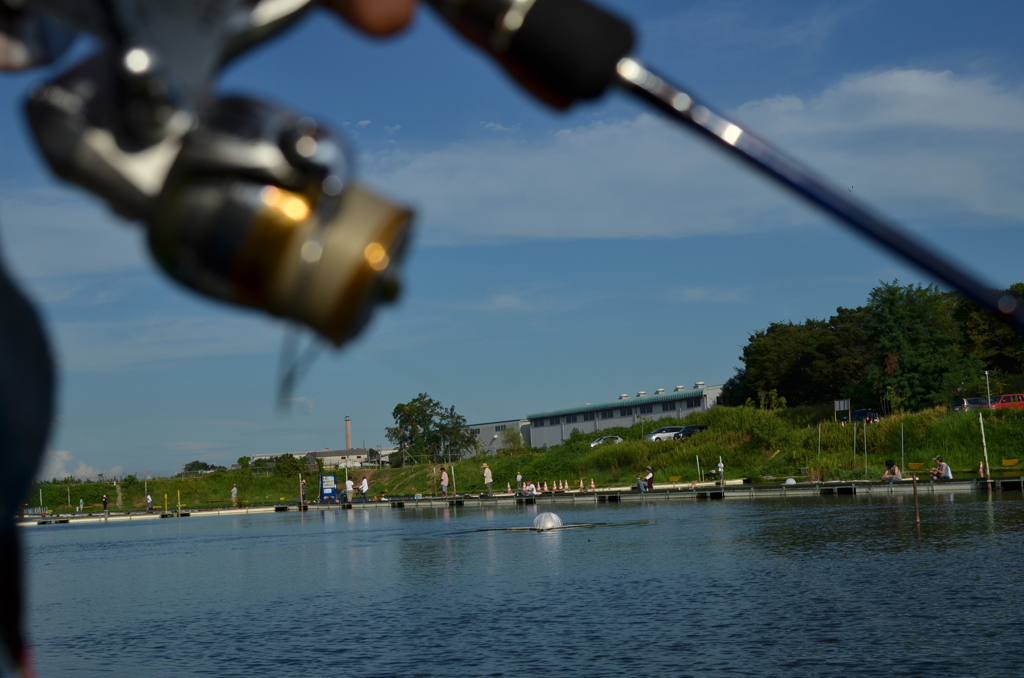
554, 427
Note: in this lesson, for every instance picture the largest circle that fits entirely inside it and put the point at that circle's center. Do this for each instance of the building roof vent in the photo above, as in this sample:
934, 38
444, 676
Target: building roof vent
658, 391
679, 388
641, 394
699, 384
623, 396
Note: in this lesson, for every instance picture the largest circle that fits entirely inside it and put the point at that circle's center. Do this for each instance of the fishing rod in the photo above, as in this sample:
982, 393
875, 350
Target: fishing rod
569, 50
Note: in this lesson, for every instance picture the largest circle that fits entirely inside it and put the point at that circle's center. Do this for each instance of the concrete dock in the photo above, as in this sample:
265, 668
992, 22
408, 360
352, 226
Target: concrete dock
662, 493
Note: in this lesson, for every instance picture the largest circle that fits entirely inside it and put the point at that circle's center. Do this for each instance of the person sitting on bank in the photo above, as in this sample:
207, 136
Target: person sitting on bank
530, 489
892, 472
646, 483
941, 470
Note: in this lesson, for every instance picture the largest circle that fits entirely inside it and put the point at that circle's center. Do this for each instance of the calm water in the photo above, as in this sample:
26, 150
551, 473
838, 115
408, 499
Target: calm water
772, 587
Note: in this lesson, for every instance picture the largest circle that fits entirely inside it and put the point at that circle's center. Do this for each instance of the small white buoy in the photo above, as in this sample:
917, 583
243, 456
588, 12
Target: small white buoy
546, 521
790, 481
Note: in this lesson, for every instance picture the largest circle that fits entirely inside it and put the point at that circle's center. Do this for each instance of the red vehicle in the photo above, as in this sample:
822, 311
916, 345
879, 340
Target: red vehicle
1012, 401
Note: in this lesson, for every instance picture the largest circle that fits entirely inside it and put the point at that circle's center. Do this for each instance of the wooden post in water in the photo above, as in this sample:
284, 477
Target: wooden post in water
917, 509
984, 448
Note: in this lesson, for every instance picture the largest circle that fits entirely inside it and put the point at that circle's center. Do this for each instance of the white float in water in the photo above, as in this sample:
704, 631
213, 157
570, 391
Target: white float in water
546, 521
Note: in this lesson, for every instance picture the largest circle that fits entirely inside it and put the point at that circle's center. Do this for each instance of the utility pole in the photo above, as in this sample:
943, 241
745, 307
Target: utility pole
988, 389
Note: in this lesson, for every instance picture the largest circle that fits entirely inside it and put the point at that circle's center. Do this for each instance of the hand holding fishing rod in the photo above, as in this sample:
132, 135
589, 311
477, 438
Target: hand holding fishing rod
566, 50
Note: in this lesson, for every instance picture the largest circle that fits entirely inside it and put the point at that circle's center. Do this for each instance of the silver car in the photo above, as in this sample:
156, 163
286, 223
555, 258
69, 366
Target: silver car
663, 433
606, 439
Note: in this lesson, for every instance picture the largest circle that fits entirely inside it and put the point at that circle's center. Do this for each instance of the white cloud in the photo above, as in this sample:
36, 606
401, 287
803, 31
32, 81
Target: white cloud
919, 144
392, 129
363, 123
59, 464
495, 127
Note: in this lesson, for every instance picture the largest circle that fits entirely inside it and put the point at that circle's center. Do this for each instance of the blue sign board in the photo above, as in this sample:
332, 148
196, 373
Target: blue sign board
328, 489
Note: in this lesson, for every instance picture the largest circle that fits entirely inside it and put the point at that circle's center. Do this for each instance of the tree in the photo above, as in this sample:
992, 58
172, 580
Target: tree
511, 441
914, 342
243, 463
200, 467
425, 430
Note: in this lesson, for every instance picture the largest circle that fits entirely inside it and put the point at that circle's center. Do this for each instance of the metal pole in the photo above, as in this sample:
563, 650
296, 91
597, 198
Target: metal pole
699, 476
903, 455
988, 389
854, 443
179, 503
984, 447
819, 441
917, 509
454, 491
865, 427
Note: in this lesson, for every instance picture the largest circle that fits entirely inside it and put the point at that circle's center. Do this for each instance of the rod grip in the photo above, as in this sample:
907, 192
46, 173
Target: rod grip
562, 50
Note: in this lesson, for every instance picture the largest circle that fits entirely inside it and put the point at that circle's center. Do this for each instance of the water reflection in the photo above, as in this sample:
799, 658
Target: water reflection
711, 588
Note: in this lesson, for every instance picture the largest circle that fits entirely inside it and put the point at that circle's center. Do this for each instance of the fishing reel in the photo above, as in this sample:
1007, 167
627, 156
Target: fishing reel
242, 201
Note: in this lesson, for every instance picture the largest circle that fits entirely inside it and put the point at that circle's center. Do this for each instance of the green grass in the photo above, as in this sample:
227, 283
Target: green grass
753, 444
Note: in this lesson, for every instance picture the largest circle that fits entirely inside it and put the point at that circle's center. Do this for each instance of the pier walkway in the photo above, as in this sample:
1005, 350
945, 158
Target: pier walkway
733, 489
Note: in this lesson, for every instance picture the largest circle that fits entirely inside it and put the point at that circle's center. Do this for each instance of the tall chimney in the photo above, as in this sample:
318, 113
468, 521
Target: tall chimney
348, 432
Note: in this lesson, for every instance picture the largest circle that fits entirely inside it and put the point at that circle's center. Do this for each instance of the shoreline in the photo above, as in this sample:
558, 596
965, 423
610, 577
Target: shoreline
733, 489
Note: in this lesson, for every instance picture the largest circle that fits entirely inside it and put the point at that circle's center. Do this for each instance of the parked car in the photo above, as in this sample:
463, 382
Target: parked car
964, 404
606, 439
870, 416
688, 431
1012, 401
663, 433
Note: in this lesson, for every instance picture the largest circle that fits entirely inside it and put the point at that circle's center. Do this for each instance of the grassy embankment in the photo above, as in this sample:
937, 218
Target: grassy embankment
762, 446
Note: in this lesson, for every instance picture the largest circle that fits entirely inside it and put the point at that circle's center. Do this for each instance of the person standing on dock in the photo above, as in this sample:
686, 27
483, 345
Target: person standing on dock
234, 495
149, 503
519, 480
364, 487
488, 480
104, 503
444, 483
81, 504
350, 490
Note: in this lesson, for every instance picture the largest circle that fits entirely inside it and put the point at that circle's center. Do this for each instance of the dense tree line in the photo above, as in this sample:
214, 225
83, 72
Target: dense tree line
907, 348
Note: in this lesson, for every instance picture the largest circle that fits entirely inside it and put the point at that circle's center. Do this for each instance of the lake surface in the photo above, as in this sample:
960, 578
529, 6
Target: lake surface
772, 587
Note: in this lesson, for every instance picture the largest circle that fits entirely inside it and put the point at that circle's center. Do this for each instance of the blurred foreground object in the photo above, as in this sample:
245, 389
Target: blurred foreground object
243, 201
567, 50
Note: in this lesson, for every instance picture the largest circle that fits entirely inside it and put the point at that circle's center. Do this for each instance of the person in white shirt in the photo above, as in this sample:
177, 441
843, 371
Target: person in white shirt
488, 480
350, 489
364, 487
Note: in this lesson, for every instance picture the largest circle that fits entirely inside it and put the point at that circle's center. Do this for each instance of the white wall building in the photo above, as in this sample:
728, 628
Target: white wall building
554, 427
489, 434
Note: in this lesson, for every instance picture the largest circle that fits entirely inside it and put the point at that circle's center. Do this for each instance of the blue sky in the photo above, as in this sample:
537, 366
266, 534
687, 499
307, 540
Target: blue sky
559, 258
